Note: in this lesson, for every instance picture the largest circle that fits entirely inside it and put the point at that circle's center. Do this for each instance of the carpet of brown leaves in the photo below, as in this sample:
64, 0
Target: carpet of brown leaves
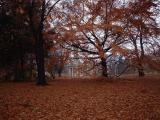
81, 100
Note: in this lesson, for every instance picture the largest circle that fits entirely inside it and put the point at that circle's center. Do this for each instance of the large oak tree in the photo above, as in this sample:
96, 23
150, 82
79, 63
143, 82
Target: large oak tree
91, 27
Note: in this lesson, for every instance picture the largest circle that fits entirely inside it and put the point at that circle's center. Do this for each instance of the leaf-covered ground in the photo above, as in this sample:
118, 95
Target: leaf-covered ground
81, 100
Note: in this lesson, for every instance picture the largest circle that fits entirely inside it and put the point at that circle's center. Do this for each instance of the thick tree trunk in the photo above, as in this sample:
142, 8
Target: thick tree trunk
39, 53
40, 49
40, 61
141, 72
60, 69
39, 43
38, 35
140, 69
104, 67
59, 73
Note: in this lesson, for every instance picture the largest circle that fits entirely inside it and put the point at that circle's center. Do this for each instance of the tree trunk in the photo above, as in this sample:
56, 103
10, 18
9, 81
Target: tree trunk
40, 49
141, 72
22, 72
38, 35
19, 72
40, 61
104, 67
16, 72
39, 43
141, 69
139, 59
59, 73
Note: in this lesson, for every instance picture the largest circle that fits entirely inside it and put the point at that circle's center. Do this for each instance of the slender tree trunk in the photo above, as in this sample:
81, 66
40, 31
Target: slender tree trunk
139, 61
53, 75
141, 72
22, 69
104, 67
141, 69
22, 72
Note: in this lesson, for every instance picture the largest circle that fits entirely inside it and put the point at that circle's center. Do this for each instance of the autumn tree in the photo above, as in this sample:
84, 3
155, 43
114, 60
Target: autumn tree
92, 27
142, 29
38, 12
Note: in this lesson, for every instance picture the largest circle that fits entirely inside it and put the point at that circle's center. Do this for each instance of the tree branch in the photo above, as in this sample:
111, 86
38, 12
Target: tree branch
51, 8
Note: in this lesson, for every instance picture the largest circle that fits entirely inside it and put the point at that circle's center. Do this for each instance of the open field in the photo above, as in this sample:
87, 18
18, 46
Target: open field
130, 99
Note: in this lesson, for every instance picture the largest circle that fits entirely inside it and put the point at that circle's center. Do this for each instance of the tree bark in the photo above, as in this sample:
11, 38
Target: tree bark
19, 72
141, 72
139, 60
22, 67
59, 73
141, 69
22, 62
40, 61
104, 67
40, 49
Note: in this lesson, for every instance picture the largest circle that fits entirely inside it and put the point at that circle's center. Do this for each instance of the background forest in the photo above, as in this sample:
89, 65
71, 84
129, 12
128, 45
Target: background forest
41, 37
